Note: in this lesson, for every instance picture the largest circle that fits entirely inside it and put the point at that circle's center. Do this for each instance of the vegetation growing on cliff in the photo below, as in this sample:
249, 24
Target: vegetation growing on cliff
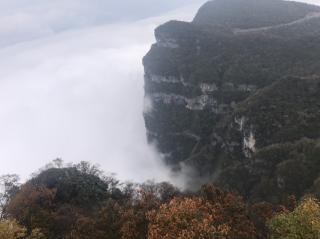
260, 62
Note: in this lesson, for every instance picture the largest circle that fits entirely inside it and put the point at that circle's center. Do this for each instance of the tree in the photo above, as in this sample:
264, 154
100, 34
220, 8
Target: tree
302, 223
134, 221
261, 212
67, 202
31, 207
108, 221
79, 186
10, 229
88, 168
213, 213
187, 218
234, 210
9, 187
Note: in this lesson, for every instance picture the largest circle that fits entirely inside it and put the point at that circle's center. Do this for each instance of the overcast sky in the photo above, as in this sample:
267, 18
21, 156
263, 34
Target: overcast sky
71, 82
23, 20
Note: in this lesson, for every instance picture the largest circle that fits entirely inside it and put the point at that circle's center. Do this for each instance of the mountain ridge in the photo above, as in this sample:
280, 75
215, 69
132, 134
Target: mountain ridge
209, 88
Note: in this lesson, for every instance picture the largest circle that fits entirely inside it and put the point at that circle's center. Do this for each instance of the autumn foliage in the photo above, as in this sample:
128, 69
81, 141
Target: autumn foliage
10, 229
79, 202
187, 218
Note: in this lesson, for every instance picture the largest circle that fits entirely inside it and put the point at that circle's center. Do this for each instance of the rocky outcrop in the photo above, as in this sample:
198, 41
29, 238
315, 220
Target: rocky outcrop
220, 86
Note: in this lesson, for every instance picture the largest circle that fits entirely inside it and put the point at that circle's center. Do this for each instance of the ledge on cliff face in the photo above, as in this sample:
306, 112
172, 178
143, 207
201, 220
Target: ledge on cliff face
221, 95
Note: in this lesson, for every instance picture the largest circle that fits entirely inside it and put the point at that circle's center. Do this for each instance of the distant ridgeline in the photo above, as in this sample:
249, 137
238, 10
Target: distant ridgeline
235, 95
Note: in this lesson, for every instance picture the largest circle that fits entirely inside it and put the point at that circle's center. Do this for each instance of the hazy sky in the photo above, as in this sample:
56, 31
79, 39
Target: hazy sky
317, 2
71, 82
23, 20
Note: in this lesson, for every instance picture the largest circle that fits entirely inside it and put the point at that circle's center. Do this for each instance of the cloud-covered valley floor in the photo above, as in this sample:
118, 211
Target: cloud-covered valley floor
77, 94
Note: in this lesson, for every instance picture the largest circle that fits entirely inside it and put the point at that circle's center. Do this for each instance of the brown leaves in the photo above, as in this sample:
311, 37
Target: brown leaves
10, 229
147, 211
213, 214
187, 218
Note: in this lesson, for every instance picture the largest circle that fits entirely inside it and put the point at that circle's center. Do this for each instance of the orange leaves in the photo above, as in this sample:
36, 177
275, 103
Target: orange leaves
191, 218
133, 215
213, 214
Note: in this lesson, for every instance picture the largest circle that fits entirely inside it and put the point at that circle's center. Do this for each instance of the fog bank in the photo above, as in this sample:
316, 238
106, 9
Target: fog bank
76, 92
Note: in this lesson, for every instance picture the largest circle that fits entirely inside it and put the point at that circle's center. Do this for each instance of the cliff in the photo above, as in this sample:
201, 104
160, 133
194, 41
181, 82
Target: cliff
239, 79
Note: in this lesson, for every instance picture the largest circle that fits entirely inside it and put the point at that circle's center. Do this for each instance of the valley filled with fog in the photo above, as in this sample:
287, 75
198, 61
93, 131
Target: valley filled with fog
72, 86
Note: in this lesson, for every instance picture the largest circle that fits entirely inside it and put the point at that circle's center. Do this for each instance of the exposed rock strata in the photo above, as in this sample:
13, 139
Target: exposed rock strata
221, 89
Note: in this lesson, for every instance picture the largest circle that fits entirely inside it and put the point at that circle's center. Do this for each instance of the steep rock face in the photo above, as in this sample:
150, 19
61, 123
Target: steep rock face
283, 115
220, 88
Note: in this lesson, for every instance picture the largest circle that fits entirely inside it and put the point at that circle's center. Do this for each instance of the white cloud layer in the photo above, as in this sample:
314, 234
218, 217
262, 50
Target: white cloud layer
315, 2
74, 91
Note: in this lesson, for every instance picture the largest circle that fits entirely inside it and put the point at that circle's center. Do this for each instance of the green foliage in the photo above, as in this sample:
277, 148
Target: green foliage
277, 171
290, 108
79, 185
302, 223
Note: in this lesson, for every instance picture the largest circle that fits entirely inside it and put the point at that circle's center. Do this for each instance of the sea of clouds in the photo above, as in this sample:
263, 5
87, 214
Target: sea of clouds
71, 83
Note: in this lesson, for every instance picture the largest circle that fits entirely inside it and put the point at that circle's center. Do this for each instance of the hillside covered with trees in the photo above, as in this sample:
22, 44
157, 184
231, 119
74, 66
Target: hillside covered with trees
80, 201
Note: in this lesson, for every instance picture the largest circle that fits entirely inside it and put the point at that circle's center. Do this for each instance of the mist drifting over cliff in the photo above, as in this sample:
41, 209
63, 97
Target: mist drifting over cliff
72, 83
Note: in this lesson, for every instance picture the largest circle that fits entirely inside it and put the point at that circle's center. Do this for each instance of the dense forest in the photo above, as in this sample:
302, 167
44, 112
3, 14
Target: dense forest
80, 201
